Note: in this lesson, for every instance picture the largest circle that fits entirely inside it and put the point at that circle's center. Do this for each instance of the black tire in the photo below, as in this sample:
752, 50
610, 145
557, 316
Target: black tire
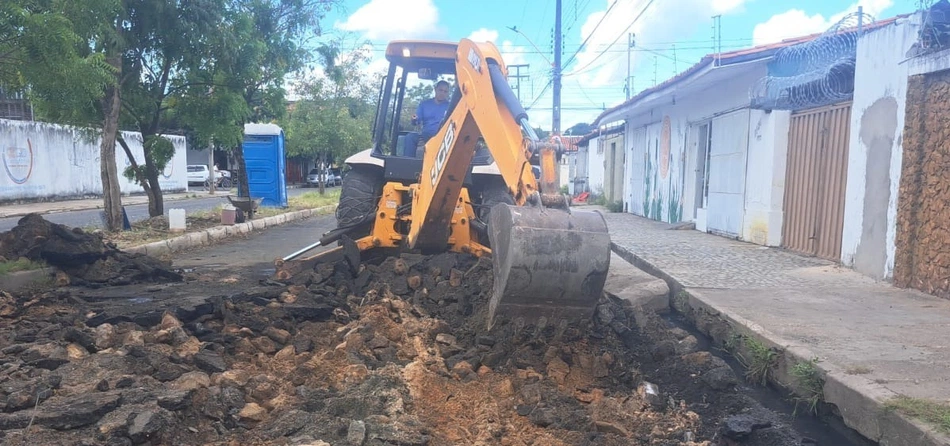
493, 193
362, 187
226, 183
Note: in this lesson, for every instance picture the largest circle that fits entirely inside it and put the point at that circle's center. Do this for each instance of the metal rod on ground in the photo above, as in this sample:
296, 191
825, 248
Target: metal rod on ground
298, 253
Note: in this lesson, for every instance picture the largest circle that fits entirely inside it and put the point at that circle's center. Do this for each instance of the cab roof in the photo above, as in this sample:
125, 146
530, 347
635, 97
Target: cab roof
435, 55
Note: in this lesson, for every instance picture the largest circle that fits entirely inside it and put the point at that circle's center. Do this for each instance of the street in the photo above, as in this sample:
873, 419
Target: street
136, 212
258, 251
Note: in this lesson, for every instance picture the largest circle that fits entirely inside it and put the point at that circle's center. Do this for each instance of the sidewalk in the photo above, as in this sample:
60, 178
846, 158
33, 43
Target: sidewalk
872, 341
46, 207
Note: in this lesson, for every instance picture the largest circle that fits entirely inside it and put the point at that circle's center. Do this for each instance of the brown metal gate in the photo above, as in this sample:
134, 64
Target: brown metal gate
815, 180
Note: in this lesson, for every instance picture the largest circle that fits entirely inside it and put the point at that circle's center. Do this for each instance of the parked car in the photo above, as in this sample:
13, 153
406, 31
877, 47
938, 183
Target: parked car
198, 174
331, 178
337, 177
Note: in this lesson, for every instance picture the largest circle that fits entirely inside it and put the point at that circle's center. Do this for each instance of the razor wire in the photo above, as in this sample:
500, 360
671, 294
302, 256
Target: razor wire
814, 73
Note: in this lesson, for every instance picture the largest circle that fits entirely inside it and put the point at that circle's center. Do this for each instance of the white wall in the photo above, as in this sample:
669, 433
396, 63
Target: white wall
765, 177
595, 165
581, 171
49, 161
668, 184
874, 159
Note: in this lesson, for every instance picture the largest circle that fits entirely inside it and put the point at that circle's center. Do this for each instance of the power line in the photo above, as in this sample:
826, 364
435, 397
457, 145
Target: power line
618, 37
571, 59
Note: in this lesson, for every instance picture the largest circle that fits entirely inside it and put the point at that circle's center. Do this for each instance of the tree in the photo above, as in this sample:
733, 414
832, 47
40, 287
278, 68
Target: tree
268, 37
43, 51
333, 119
164, 40
68, 55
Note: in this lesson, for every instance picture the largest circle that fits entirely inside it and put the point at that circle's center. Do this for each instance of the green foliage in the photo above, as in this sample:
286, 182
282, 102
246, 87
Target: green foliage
334, 117
43, 51
21, 264
565, 189
760, 360
810, 385
615, 206
932, 412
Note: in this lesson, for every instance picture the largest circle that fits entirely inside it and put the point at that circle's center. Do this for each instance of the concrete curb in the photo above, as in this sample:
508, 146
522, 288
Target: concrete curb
639, 289
859, 401
217, 233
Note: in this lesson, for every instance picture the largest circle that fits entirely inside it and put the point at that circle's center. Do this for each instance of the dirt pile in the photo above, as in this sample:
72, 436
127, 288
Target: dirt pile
394, 353
83, 256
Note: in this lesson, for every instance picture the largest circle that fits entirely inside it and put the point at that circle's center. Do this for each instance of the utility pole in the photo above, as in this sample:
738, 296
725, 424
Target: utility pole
675, 71
654, 71
556, 119
631, 42
717, 37
518, 76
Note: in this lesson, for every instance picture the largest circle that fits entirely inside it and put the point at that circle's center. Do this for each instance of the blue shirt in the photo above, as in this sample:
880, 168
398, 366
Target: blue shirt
430, 114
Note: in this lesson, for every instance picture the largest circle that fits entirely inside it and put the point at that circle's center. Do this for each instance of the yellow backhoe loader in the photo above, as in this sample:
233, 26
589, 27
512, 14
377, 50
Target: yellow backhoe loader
473, 189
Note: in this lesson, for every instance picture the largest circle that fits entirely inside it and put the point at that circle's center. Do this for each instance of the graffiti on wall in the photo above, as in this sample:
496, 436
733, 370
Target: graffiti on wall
664, 171
18, 162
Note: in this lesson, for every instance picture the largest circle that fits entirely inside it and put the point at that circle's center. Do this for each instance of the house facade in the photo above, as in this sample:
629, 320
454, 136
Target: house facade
686, 145
799, 145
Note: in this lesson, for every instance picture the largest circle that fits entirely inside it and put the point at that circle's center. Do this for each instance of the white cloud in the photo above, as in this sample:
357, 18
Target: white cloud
394, 19
795, 22
513, 54
663, 21
484, 35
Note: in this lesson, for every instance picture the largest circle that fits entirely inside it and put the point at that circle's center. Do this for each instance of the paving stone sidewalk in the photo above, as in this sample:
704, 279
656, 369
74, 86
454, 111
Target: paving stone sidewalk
873, 340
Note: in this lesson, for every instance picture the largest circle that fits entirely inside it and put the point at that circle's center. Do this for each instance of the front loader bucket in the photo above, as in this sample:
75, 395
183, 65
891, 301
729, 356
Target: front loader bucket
550, 264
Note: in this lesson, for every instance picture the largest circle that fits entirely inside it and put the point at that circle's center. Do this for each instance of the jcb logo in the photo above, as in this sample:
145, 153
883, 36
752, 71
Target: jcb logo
442, 153
475, 60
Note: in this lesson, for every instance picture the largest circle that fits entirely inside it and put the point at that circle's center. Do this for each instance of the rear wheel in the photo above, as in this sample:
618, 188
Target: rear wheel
359, 196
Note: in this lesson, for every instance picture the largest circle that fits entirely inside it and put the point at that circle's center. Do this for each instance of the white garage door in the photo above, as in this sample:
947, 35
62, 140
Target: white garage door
727, 157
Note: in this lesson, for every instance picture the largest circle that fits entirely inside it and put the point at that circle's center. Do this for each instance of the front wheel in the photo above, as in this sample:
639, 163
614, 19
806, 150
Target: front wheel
359, 197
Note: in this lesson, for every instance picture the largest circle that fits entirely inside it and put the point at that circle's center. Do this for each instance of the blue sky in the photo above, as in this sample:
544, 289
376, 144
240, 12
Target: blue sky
671, 35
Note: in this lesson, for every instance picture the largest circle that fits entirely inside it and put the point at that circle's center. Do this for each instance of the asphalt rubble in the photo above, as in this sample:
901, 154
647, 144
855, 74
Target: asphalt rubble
393, 351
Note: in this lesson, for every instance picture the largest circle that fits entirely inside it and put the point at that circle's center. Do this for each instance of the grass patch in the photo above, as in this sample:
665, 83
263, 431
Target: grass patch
810, 385
21, 264
857, 370
931, 412
306, 200
313, 199
155, 229
760, 361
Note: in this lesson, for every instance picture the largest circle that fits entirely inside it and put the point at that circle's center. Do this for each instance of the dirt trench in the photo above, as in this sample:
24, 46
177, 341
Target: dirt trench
391, 352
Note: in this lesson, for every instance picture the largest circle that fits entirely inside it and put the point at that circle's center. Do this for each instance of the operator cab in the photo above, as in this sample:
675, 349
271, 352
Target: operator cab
395, 140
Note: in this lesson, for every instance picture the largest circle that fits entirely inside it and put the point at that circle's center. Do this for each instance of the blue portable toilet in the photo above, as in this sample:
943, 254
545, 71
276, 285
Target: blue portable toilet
266, 167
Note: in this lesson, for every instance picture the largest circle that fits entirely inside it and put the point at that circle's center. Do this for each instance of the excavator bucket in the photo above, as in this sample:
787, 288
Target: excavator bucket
550, 264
